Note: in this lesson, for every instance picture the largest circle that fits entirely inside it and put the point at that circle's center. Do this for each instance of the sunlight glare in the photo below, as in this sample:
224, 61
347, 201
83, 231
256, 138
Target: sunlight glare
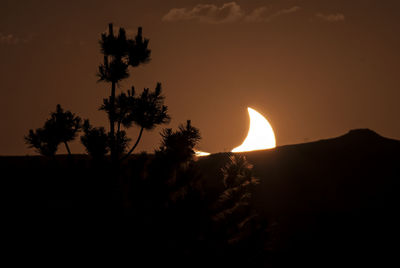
200, 153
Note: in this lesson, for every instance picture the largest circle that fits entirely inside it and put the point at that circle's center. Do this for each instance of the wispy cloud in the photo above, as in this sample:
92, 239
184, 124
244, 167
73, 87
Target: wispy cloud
284, 12
261, 14
331, 17
227, 13
11, 39
208, 13
257, 15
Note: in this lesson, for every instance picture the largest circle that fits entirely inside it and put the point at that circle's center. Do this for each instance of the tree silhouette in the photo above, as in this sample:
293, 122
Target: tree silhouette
43, 140
122, 142
122, 106
65, 124
119, 53
95, 141
179, 144
147, 111
239, 225
172, 196
61, 127
124, 103
235, 200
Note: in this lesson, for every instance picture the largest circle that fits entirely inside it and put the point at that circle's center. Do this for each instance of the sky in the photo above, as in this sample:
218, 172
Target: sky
315, 69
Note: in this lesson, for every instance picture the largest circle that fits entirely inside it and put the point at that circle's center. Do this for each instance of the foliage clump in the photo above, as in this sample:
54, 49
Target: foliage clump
61, 127
95, 140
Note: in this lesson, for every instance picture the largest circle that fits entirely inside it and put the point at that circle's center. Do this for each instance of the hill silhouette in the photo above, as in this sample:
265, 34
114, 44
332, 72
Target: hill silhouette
332, 202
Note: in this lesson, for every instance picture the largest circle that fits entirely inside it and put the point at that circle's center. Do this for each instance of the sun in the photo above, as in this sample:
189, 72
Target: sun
260, 136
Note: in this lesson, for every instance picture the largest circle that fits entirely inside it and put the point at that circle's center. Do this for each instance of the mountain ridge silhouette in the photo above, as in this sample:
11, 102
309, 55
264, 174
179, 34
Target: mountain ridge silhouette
329, 201
332, 202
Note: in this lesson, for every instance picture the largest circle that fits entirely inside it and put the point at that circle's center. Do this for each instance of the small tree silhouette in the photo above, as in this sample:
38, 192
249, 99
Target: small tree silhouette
179, 144
43, 140
65, 124
61, 127
176, 154
239, 225
119, 53
95, 141
172, 194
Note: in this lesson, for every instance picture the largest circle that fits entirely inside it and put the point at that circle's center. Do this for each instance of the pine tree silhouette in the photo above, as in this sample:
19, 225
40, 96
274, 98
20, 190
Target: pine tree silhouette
123, 104
95, 141
179, 145
238, 223
172, 195
61, 127
119, 53
147, 111
43, 140
66, 125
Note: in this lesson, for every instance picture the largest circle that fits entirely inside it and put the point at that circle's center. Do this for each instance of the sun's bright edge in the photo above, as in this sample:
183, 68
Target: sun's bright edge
200, 153
260, 136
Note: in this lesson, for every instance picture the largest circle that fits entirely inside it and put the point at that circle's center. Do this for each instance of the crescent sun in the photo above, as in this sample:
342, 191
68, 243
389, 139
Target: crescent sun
260, 136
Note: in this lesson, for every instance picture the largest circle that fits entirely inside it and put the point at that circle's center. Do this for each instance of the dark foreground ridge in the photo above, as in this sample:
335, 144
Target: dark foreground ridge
329, 203
335, 202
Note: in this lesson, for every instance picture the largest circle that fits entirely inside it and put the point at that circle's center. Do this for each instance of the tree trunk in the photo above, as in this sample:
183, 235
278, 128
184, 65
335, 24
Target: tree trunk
112, 123
67, 147
134, 146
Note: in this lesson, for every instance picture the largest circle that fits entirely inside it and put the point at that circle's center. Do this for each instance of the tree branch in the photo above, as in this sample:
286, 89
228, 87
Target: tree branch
134, 146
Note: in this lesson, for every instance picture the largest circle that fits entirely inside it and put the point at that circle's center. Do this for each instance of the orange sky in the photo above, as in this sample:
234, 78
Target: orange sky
315, 69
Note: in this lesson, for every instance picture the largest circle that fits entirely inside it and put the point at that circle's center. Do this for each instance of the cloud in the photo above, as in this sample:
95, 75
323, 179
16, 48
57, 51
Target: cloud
331, 17
208, 13
260, 14
284, 12
227, 13
9, 39
257, 15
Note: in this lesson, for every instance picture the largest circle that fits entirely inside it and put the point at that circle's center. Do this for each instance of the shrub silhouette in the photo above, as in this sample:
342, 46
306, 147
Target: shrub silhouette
66, 125
95, 140
179, 145
43, 140
61, 127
